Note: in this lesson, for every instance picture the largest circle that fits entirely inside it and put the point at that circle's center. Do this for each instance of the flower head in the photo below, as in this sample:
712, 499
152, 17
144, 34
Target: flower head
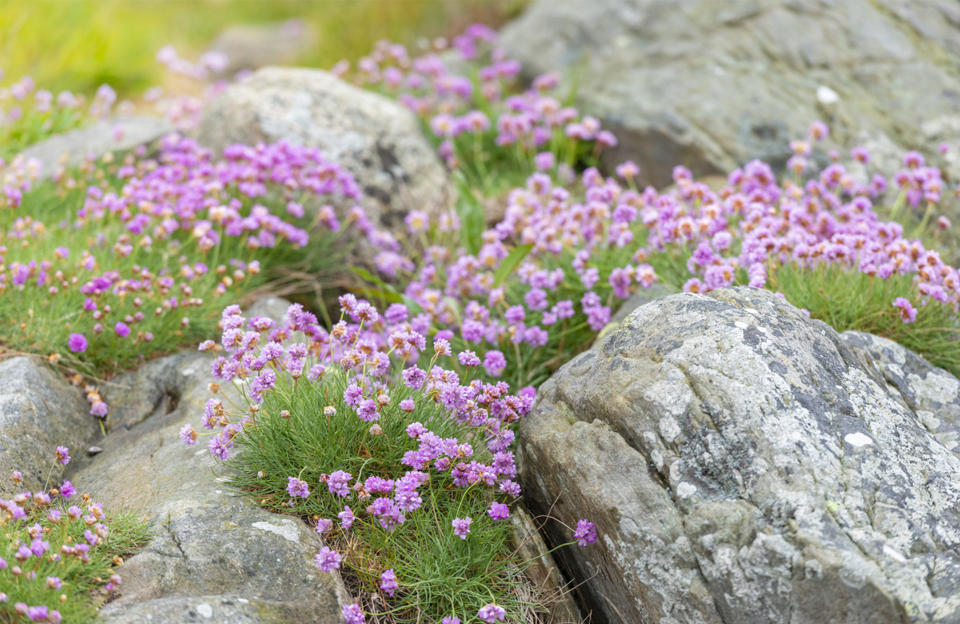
492, 613
77, 343
461, 527
586, 533
297, 488
327, 560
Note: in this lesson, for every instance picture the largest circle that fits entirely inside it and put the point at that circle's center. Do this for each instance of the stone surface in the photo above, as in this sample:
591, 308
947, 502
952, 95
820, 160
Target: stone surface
711, 84
214, 557
96, 139
39, 411
375, 138
744, 464
251, 46
543, 573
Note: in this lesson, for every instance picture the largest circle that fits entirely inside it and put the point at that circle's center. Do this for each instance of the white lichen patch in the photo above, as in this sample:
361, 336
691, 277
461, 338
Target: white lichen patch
935, 387
686, 490
857, 439
286, 529
669, 429
205, 610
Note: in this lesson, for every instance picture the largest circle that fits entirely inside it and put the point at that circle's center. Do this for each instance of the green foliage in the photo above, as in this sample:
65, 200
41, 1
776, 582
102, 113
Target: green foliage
32, 320
850, 300
79, 45
82, 582
35, 126
439, 574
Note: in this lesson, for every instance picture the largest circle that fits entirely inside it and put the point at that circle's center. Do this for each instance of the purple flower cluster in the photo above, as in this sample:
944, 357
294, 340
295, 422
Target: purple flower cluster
174, 213
40, 528
463, 114
592, 244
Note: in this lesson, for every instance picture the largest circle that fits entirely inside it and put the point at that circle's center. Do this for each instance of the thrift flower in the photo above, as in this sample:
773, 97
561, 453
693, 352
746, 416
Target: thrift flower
327, 560
492, 613
498, 511
77, 343
346, 517
67, 490
63, 455
388, 582
908, 313
297, 488
586, 533
352, 614
461, 527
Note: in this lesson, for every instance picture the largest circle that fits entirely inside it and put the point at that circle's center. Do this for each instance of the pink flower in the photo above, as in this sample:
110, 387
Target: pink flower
461, 527
908, 313
77, 343
491, 613
586, 533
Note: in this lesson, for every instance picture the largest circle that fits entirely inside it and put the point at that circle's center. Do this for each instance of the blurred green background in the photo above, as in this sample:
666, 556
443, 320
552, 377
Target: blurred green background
81, 44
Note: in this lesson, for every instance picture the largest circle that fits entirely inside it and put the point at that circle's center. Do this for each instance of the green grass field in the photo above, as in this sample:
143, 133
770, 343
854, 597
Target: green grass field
81, 44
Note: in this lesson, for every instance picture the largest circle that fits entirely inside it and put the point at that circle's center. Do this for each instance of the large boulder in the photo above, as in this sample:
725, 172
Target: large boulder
214, 556
710, 84
39, 411
376, 139
745, 464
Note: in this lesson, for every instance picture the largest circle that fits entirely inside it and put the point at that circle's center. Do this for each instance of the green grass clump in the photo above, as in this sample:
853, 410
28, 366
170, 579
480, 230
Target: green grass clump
850, 300
34, 126
439, 574
60, 555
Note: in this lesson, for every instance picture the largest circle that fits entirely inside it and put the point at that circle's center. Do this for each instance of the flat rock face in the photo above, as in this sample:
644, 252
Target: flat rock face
39, 411
215, 557
96, 138
375, 138
710, 84
744, 464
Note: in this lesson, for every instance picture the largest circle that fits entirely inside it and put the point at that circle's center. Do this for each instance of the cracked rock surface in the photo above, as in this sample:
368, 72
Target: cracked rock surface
745, 464
376, 139
214, 557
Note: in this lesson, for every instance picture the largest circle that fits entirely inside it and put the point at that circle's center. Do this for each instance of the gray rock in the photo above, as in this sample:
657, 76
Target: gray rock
96, 139
745, 464
273, 308
932, 393
214, 557
543, 574
39, 411
376, 139
251, 46
711, 84
639, 298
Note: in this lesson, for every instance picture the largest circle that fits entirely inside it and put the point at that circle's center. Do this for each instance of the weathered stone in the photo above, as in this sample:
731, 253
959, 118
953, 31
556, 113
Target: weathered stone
641, 297
39, 411
744, 463
377, 140
543, 574
932, 393
214, 556
251, 46
96, 139
711, 84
